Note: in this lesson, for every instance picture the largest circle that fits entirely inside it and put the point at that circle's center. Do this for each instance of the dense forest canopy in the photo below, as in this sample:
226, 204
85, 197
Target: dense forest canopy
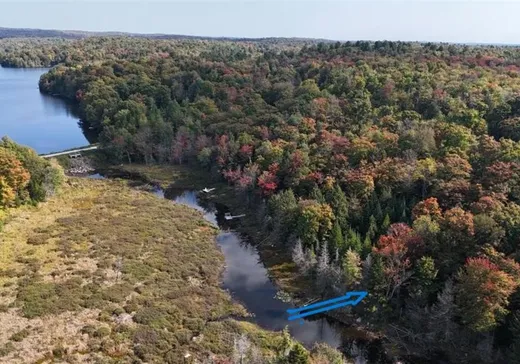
386, 166
28, 48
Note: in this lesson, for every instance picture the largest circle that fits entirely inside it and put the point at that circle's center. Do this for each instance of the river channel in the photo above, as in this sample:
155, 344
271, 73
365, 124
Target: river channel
247, 280
47, 124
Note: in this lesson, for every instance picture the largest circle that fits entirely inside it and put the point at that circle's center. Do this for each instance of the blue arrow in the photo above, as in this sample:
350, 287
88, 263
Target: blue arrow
330, 305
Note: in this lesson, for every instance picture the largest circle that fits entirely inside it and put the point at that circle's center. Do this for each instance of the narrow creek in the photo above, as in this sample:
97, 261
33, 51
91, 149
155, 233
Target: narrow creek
247, 280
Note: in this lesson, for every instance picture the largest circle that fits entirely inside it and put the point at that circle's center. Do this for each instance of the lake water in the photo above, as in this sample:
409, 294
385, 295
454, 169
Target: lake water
42, 122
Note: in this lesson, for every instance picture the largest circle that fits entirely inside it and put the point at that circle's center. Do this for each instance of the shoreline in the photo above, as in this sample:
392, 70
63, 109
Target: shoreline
279, 268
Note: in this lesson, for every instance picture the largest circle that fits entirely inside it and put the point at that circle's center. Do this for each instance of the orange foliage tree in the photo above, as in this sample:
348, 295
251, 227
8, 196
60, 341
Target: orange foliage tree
13, 177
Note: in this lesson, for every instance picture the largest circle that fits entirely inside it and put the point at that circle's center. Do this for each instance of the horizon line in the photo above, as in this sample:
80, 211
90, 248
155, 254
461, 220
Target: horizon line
76, 33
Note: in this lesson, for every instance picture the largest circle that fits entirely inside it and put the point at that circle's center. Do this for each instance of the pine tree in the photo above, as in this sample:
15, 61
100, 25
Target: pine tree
378, 211
372, 227
283, 209
386, 223
404, 216
353, 240
336, 241
338, 201
376, 279
424, 278
367, 247
317, 195
298, 355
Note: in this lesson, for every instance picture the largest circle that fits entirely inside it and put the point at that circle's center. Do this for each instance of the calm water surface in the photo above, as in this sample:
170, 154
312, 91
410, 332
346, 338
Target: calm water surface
42, 122
247, 279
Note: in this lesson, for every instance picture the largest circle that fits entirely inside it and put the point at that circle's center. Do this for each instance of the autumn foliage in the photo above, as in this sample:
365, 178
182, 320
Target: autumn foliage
13, 178
483, 293
401, 156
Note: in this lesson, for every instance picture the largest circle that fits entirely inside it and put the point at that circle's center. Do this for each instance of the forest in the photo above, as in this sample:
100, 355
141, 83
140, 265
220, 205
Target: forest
390, 167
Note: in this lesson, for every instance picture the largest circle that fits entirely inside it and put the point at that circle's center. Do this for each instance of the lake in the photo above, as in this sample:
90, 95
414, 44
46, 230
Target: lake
30, 118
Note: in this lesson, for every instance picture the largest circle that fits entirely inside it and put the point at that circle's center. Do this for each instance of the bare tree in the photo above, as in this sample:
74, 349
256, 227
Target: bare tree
241, 347
118, 267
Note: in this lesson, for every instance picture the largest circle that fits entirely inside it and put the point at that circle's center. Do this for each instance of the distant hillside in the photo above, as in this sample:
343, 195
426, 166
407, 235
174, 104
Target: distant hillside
77, 34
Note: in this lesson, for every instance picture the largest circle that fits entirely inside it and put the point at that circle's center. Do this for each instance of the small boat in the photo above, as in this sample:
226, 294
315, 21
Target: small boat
207, 190
228, 216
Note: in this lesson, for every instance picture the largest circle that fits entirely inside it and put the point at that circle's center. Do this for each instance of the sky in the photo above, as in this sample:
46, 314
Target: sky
469, 21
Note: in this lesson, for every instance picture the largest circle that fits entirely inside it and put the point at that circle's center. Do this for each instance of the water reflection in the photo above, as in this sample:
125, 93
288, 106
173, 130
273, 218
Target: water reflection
44, 123
247, 280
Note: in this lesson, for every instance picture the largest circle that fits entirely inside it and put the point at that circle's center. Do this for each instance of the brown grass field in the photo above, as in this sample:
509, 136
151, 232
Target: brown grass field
103, 273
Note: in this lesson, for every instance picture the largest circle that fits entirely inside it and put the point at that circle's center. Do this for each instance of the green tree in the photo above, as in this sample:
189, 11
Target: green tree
424, 277
338, 201
353, 240
336, 240
314, 222
372, 228
317, 195
283, 210
298, 355
367, 247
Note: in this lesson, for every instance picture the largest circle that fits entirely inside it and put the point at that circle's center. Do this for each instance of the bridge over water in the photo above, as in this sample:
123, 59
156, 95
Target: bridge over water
72, 151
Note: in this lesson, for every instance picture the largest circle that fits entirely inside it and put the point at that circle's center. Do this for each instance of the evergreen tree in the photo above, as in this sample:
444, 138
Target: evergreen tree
283, 209
336, 240
317, 195
353, 240
378, 212
403, 216
424, 279
298, 355
385, 224
372, 228
367, 247
338, 201
376, 279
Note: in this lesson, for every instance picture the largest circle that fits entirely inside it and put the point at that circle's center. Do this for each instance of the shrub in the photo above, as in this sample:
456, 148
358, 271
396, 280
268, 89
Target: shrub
20, 335
6, 349
38, 239
102, 332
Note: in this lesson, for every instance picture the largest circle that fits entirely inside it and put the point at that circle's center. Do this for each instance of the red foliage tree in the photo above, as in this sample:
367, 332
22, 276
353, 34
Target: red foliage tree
483, 293
268, 182
394, 248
